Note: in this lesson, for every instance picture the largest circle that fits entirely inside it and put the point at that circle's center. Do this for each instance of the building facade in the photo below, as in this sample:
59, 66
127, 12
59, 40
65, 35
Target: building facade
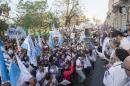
118, 15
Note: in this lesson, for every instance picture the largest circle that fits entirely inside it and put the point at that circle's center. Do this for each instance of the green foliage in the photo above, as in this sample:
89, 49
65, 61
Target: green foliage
3, 26
4, 7
32, 7
70, 9
35, 15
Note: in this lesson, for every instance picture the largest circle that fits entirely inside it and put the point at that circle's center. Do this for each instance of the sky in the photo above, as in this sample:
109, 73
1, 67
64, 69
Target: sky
96, 8
92, 8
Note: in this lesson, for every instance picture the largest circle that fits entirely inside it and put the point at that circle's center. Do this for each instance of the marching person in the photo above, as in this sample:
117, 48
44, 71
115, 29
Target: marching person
124, 42
79, 69
126, 66
40, 75
106, 46
114, 44
115, 75
67, 73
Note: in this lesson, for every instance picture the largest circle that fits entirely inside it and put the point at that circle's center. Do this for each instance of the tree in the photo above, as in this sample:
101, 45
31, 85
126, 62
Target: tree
69, 9
4, 8
35, 15
33, 6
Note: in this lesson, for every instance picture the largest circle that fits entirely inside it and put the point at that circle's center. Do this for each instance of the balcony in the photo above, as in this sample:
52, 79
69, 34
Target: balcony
124, 0
117, 5
115, 8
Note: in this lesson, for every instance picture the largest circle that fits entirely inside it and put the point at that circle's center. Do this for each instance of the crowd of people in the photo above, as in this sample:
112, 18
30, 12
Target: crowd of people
115, 51
56, 66
62, 64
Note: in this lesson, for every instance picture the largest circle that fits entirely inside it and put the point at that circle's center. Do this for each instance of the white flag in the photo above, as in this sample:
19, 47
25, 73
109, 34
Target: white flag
25, 74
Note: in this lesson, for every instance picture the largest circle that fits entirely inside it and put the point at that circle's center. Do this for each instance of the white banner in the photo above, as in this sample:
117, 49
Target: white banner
16, 32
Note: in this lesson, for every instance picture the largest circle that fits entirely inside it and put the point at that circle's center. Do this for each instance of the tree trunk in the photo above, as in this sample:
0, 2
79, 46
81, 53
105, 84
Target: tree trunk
67, 21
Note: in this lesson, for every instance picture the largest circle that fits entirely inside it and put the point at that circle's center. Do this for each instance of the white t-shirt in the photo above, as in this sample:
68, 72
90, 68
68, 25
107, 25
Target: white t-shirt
127, 84
112, 54
25, 74
40, 75
86, 62
105, 44
79, 63
94, 55
125, 44
128, 37
115, 76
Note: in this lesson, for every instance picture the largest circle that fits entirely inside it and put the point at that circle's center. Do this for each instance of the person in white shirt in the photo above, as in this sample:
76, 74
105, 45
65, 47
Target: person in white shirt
124, 42
115, 75
87, 65
102, 37
54, 71
79, 69
126, 66
40, 75
114, 44
106, 46
49, 81
87, 62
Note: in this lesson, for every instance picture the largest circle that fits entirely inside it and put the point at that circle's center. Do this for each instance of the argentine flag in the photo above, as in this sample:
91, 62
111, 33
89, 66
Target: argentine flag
51, 41
37, 48
3, 69
25, 75
14, 74
31, 52
60, 38
40, 42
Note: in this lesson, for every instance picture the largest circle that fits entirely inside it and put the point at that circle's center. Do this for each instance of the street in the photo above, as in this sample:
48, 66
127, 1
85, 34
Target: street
64, 43
96, 78
98, 73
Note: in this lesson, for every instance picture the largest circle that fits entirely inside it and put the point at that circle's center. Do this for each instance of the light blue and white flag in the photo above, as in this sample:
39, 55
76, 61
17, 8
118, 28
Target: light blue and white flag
14, 74
60, 38
40, 42
37, 48
29, 46
51, 41
3, 69
18, 44
1, 43
25, 75
25, 44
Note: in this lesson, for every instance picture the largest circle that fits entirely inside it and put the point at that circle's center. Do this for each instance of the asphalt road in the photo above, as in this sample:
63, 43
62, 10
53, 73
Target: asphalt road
98, 73
96, 77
